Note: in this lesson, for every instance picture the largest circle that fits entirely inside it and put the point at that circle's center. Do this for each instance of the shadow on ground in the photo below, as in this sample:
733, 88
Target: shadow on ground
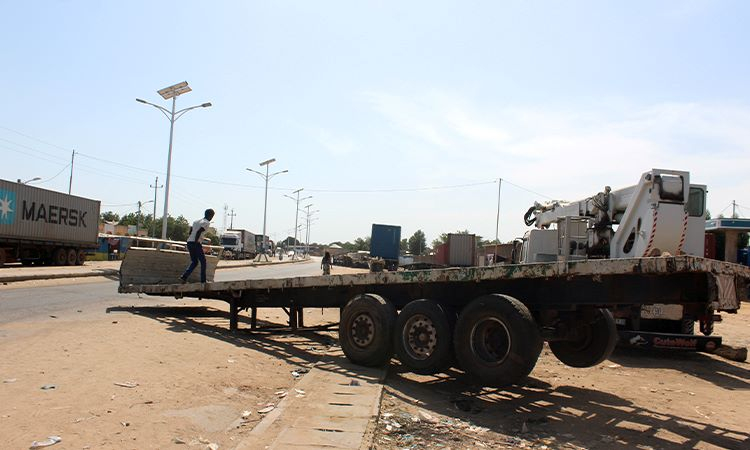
537, 410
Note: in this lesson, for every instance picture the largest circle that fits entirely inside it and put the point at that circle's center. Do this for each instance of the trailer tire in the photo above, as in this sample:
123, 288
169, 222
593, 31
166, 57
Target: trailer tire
596, 342
423, 337
496, 340
71, 257
366, 330
80, 257
59, 257
2, 257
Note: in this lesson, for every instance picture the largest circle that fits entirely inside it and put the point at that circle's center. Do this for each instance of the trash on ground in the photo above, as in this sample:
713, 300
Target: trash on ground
125, 424
354, 383
48, 387
126, 384
10, 380
213, 446
231, 361
295, 374
178, 441
246, 414
387, 415
266, 410
738, 354
425, 416
299, 391
51, 440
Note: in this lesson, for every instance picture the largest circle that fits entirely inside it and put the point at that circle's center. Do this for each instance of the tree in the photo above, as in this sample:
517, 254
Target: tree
417, 243
109, 216
403, 246
361, 244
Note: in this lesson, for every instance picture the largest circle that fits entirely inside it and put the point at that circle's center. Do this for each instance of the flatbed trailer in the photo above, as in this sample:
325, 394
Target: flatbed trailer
489, 321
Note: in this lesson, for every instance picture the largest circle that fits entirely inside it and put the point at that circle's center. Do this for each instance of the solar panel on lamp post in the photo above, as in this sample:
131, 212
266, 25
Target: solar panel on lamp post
171, 92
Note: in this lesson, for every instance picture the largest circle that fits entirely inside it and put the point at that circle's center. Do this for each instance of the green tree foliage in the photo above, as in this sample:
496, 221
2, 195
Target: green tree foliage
418, 243
109, 216
403, 245
361, 244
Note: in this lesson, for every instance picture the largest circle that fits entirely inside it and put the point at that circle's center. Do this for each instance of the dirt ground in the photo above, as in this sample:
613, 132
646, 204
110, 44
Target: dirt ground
637, 399
192, 380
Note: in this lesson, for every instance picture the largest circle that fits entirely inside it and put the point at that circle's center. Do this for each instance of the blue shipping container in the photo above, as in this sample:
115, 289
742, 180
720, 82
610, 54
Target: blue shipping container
385, 241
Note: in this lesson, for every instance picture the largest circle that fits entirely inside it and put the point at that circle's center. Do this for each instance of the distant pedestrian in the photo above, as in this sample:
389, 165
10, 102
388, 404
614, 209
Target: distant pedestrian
194, 246
326, 263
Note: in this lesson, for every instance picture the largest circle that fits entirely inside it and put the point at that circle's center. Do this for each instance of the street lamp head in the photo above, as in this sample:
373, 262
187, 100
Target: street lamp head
206, 105
140, 100
265, 163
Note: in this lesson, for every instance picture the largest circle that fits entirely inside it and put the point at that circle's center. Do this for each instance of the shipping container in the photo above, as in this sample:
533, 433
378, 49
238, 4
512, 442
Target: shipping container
462, 250
385, 241
48, 226
709, 250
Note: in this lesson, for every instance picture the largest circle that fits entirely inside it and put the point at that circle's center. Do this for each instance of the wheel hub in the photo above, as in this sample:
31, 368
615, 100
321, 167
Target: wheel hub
363, 330
420, 336
490, 341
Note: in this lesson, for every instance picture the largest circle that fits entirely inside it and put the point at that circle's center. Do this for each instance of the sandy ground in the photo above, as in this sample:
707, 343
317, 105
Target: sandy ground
636, 399
194, 380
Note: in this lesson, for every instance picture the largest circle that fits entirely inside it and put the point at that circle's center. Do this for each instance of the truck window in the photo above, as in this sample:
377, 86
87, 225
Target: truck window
696, 202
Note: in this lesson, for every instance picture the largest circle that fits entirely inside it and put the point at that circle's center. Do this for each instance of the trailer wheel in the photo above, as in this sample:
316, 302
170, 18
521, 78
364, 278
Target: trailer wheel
59, 257
71, 257
496, 340
596, 340
2, 257
366, 329
80, 257
423, 337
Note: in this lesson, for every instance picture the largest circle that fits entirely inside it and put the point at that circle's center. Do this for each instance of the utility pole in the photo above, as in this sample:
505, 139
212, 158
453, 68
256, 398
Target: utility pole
734, 209
72, 160
497, 222
231, 219
224, 224
155, 187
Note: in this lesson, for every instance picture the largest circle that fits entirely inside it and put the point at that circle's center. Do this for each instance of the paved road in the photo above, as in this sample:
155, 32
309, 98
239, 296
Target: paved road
63, 298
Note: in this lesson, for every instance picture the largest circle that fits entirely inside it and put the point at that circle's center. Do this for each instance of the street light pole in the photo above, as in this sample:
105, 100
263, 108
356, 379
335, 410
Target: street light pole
171, 92
155, 187
266, 177
296, 215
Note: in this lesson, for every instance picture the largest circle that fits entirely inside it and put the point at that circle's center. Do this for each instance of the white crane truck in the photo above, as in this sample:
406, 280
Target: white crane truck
491, 321
663, 214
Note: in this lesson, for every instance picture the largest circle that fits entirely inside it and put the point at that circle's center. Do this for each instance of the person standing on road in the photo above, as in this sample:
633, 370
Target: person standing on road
194, 246
326, 263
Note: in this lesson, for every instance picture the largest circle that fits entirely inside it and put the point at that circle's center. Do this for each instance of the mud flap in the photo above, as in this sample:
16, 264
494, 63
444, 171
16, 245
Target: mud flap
669, 341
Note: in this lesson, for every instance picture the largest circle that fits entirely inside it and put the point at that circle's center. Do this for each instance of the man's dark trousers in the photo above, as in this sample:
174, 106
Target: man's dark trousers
196, 256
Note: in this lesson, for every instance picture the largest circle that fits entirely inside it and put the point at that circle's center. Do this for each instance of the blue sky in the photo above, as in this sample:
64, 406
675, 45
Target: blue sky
385, 112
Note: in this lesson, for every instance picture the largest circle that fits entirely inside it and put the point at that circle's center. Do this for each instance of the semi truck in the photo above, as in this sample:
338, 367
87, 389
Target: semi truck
43, 226
491, 321
239, 244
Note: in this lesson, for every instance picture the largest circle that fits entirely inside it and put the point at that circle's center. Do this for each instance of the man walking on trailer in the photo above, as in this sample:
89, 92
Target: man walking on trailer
194, 246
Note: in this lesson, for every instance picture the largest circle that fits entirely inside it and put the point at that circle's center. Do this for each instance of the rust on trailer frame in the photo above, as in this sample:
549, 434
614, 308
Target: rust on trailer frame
592, 270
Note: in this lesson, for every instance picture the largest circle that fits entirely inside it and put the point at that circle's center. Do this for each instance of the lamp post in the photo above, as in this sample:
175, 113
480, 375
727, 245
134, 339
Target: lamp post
308, 213
266, 177
296, 215
138, 219
172, 92
29, 181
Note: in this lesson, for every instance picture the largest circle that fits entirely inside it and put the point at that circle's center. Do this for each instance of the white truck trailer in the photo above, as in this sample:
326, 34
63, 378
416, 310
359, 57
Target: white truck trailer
239, 244
42, 226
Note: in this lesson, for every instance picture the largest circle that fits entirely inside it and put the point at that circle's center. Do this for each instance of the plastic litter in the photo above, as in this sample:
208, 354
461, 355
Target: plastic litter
266, 410
48, 387
299, 391
10, 380
126, 384
425, 416
354, 383
213, 446
51, 440
246, 414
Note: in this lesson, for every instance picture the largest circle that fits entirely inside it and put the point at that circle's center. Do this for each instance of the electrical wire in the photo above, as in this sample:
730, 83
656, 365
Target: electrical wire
55, 176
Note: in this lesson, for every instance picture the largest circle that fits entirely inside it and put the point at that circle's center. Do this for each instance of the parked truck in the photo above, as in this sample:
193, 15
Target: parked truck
492, 320
42, 226
238, 244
